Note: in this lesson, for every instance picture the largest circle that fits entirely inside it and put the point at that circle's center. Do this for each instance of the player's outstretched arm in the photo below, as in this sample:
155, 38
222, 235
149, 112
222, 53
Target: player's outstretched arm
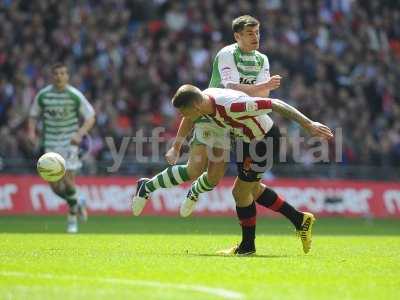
314, 128
172, 154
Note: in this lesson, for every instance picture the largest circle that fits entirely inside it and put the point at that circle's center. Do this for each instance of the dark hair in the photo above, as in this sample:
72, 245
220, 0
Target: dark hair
241, 22
57, 65
185, 96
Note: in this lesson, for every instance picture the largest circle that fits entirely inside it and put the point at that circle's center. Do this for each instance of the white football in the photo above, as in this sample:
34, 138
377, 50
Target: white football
51, 166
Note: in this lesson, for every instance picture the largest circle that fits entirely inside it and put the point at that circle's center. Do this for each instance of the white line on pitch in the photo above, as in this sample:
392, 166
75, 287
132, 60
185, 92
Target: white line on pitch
186, 287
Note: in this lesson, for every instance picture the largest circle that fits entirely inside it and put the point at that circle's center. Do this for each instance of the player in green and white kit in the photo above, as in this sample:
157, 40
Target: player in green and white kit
59, 106
238, 66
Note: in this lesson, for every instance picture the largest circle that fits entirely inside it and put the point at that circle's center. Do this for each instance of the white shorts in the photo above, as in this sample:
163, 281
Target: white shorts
207, 133
70, 154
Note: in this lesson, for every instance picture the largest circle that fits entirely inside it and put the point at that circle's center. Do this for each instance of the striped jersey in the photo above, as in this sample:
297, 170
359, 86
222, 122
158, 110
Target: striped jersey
232, 65
60, 112
245, 116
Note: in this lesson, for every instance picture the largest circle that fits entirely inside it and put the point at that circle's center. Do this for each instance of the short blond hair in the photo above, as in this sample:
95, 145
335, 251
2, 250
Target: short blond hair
186, 95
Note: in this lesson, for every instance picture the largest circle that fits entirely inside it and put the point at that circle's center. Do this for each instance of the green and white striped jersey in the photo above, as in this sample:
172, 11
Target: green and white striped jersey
60, 112
232, 65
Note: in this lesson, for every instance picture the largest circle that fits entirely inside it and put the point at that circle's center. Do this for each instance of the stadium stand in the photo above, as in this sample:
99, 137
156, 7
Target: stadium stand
340, 61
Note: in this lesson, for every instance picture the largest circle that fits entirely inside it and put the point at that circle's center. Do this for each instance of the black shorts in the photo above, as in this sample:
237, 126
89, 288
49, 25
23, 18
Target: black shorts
253, 159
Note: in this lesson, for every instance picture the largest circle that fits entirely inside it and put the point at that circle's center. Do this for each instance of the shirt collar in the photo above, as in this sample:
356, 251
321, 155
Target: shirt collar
214, 106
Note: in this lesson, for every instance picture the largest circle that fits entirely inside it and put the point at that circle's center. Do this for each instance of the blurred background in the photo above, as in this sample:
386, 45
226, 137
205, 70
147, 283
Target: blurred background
340, 62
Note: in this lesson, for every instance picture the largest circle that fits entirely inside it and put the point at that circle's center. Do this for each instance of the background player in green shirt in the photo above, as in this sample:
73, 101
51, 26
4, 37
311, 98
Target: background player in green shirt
59, 107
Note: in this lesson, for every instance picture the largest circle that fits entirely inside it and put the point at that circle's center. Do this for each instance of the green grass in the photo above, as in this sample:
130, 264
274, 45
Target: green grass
171, 258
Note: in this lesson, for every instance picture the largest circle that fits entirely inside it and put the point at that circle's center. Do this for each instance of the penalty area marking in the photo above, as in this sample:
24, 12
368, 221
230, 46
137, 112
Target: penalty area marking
220, 292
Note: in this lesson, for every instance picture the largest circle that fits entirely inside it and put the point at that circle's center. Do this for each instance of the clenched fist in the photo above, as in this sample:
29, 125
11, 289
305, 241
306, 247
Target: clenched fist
274, 82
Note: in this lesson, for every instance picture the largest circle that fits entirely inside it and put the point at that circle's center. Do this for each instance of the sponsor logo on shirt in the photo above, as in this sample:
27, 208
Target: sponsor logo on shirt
247, 81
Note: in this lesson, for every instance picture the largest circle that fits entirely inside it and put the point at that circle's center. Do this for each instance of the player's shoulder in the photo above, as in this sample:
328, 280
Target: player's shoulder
215, 93
227, 50
220, 93
74, 91
262, 56
211, 90
44, 90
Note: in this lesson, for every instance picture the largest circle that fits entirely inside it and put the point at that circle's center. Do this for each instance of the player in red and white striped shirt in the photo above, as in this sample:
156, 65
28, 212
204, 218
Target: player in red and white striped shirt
247, 118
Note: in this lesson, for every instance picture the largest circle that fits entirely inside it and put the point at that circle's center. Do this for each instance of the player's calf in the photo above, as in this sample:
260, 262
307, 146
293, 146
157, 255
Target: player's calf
271, 200
72, 219
82, 209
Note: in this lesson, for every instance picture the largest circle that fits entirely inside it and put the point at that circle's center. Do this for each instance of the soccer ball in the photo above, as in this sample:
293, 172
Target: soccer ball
51, 166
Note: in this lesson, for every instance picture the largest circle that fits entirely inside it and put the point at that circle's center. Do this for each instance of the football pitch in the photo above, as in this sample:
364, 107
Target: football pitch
174, 258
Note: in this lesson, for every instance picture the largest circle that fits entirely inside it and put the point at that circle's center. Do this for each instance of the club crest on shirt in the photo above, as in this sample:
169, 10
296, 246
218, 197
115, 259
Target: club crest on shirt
226, 73
251, 106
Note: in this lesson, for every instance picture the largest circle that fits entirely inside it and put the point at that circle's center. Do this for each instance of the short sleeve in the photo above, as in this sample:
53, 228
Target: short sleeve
35, 108
264, 74
85, 108
227, 68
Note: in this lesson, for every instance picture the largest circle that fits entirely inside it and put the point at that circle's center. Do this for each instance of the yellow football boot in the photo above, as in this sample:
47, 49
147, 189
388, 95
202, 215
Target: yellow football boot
305, 233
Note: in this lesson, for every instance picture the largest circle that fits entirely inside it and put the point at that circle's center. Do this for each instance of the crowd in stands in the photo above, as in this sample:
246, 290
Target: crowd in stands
339, 59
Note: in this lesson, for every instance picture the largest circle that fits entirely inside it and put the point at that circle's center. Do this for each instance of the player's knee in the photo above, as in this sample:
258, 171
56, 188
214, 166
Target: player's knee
69, 179
242, 199
258, 190
69, 185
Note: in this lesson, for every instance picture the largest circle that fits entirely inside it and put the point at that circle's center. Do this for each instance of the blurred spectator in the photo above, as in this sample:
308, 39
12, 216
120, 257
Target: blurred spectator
340, 60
